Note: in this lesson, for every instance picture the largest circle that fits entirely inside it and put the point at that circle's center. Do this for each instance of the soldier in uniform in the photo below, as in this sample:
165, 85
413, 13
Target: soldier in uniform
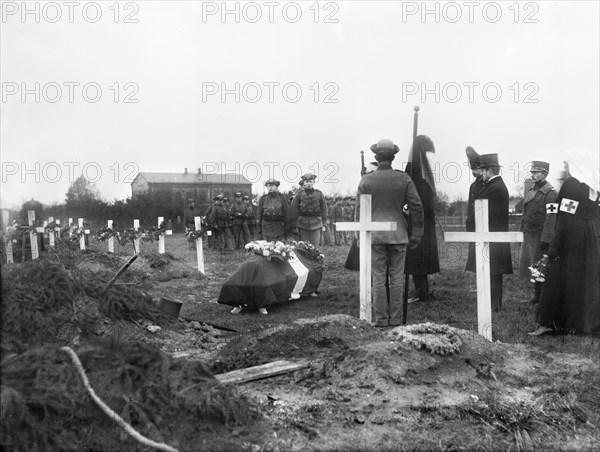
239, 213
272, 214
495, 191
537, 224
309, 211
189, 215
220, 219
212, 238
390, 190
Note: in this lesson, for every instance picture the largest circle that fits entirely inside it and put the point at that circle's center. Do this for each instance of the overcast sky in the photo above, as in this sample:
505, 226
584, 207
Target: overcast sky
276, 89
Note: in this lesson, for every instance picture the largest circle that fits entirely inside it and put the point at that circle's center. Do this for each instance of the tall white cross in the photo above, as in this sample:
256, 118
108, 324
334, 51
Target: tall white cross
199, 249
482, 238
365, 226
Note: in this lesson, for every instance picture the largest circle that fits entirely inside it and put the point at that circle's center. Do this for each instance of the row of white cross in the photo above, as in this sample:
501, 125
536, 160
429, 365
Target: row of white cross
481, 237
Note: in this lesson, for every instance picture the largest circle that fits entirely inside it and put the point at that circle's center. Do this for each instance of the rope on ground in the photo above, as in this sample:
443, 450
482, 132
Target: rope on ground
110, 413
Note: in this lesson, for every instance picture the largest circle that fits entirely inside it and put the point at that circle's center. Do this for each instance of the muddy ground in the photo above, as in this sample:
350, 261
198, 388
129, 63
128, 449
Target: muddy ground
363, 387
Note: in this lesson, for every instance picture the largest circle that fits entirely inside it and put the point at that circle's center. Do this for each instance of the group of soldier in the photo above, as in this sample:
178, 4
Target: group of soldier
304, 215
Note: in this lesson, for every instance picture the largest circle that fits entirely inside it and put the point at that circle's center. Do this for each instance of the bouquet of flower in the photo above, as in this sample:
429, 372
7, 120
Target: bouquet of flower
51, 227
106, 233
270, 250
539, 269
309, 249
130, 234
12, 232
154, 233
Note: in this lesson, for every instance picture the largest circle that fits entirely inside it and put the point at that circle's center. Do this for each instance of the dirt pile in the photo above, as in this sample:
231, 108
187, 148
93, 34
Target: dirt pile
45, 405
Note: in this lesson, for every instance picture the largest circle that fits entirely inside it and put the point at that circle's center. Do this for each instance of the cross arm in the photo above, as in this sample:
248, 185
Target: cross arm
370, 227
498, 237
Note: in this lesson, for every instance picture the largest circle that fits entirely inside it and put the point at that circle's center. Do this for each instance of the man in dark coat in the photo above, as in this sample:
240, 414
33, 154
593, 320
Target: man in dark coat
390, 191
239, 213
423, 260
474, 191
495, 191
190, 214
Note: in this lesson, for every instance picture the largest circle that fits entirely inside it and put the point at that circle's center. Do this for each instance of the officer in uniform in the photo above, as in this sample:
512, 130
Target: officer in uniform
272, 214
309, 211
220, 219
189, 215
239, 213
537, 223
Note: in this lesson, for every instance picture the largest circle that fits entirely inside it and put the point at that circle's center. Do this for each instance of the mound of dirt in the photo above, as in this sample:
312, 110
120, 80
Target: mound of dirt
45, 405
44, 302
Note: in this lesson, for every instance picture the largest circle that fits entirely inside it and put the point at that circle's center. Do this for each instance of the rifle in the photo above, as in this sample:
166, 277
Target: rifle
363, 168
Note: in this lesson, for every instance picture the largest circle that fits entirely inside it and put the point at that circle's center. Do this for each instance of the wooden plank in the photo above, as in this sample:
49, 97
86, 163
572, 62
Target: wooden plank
482, 236
258, 372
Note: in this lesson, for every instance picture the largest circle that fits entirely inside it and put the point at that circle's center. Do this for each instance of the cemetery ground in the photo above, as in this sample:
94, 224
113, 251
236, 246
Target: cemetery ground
360, 387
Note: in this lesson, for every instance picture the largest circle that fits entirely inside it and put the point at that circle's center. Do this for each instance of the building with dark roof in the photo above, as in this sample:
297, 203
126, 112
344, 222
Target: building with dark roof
177, 188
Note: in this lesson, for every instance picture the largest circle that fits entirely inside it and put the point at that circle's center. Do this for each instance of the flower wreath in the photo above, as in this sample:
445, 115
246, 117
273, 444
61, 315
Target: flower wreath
192, 234
11, 232
539, 269
309, 249
154, 234
106, 233
51, 227
270, 250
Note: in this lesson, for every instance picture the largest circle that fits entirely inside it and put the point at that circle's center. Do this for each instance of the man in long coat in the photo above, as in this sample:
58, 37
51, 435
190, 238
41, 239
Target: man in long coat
390, 191
423, 260
495, 191
537, 224
474, 191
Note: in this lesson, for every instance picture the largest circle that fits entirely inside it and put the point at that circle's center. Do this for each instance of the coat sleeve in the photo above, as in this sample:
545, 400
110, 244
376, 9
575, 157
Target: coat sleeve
415, 208
324, 211
294, 208
286, 214
259, 214
550, 221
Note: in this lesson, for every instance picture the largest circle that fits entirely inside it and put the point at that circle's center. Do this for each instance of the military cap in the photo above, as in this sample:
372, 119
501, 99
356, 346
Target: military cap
488, 160
385, 146
190, 200
272, 182
473, 157
238, 195
538, 165
309, 176
246, 197
218, 198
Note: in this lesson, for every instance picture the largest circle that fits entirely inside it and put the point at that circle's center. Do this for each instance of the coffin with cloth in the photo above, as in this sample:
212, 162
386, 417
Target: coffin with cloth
273, 272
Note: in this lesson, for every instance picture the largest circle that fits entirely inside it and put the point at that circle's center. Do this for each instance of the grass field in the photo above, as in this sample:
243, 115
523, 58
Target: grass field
454, 300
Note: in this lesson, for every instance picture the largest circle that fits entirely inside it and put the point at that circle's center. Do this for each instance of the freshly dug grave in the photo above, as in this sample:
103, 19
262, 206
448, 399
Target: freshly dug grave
366, 389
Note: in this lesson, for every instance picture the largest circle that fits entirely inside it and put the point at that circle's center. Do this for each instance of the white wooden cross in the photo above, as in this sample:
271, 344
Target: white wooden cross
33, 235
111, 240
365, 226
8, 244
199, 250
161, 237
482, 238
136, 241
82, 237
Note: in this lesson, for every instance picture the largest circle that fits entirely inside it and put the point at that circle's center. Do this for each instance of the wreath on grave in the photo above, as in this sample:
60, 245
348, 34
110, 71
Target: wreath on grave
193, 234
106, 233
438, 339
270, 250
51, 227
308, 249
11, 233
153, 235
